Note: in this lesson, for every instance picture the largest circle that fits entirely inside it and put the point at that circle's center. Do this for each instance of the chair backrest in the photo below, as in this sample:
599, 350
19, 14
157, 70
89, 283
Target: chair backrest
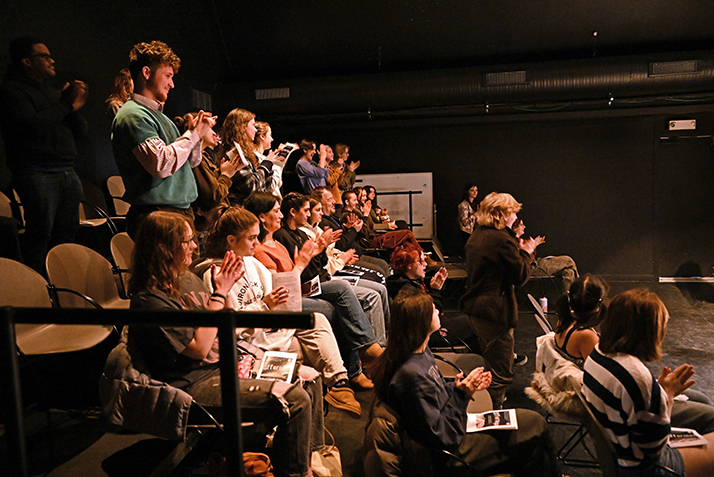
85, 271
20, 209
116, 188
451, 364
115, 185
122, 247
5, 208
604, 449
540, 315
21, 286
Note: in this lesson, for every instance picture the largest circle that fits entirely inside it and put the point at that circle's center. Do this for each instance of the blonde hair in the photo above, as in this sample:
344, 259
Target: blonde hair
494, 209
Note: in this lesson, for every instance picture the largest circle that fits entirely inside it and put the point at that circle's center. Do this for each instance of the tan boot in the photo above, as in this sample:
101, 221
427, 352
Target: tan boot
344, 398
361, 382
368, 355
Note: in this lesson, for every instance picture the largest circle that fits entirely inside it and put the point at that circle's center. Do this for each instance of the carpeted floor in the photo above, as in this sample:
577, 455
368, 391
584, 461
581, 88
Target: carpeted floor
79, 443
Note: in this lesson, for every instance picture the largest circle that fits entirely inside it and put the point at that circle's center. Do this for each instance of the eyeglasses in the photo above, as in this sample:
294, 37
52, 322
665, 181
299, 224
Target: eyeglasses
192, 239
44, 56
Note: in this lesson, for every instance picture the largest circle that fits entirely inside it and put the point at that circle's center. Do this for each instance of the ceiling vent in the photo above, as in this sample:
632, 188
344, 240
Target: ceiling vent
674, 68
505, 78
272, 93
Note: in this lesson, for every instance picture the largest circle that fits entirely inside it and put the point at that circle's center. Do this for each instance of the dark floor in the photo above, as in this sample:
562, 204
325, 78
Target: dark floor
81, 444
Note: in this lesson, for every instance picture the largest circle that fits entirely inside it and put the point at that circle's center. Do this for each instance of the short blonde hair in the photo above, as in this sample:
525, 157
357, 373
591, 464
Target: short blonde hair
494, 209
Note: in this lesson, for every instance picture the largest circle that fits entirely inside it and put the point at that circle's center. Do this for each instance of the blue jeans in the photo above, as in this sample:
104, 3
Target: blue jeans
51, 203
353, 329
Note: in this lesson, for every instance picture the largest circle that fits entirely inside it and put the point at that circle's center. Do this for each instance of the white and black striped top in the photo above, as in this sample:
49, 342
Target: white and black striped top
629, 403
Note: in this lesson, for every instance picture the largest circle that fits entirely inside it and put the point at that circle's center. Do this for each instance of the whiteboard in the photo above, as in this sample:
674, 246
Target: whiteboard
398, 205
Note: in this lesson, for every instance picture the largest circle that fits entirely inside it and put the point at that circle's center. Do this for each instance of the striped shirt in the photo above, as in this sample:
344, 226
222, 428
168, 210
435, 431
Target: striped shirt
630, 404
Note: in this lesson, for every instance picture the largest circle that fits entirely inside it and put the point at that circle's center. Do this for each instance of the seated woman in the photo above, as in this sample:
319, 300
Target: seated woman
407, 378
187, 357
212, 180
580, 311
358, 337
409, 267
632, 405
339, 261
237, 136
237, 230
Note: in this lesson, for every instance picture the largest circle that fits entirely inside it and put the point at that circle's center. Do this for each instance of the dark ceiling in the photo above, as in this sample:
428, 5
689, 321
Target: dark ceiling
301, 38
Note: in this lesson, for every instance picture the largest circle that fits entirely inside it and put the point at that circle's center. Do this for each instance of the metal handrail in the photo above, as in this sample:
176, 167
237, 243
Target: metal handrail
226, 321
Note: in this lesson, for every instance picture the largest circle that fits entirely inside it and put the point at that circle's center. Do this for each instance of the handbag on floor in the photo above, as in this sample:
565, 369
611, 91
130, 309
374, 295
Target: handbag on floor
326, 462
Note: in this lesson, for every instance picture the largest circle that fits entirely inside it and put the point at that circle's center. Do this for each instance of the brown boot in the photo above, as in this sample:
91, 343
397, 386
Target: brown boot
342, 397
368, 355
362, 382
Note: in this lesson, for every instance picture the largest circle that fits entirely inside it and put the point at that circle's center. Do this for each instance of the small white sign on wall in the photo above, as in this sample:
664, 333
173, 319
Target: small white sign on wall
393, 193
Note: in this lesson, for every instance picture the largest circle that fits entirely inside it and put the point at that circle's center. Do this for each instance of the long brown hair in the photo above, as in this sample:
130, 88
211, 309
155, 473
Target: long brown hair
157, 260
409, 326
231, 221
123, 87
635, 324
233, 130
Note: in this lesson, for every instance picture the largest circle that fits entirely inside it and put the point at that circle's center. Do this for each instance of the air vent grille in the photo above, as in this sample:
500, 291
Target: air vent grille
272, 93
505, 78
674, 67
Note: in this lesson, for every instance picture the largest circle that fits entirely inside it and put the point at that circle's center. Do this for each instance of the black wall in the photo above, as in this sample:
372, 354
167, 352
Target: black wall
605, 190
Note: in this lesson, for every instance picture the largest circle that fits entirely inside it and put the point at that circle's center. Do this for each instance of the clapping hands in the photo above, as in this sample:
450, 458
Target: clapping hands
477, 380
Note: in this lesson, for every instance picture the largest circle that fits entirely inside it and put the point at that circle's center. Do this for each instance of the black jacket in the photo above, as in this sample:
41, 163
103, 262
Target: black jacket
38, 126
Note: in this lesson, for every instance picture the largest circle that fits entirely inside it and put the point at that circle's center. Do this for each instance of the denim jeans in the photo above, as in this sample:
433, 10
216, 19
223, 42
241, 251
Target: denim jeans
355, 327
51, 203
292, 444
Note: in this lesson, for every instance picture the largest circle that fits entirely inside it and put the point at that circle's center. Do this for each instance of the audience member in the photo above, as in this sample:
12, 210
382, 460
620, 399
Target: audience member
337, 260
40, 126
296, 212
187, 357
348, 177
551, 266
379, 215
237, 229
262, 142
153, 159
336, 173
407, 378
467, 211
409, 267
213, 181
391, 241
580, 310
633, 406
312, 175
495, 263
123, 87
237, 136
356, 335
350, 230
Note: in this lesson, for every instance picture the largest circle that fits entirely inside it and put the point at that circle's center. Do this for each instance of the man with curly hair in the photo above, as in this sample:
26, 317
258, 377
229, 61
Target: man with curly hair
153, 159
